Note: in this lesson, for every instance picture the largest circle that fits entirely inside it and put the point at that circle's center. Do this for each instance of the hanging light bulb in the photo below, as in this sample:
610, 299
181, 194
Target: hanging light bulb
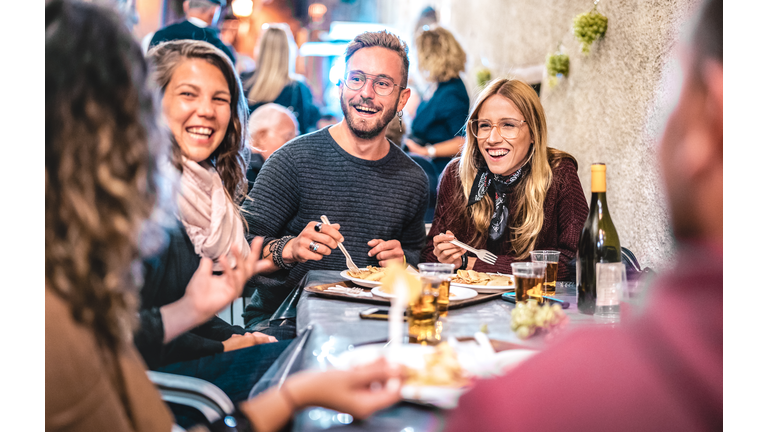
242, 8
316, 11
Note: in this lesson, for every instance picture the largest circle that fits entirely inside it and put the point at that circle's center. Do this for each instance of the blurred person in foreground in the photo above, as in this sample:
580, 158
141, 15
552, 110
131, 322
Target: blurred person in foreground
436, 130
202, 19
662, 370
275, 80
509, 192
373, 194
101, 174
270, 126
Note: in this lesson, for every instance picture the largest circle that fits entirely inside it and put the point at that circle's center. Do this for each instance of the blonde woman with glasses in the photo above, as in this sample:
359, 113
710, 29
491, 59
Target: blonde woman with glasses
275, 80
508, 192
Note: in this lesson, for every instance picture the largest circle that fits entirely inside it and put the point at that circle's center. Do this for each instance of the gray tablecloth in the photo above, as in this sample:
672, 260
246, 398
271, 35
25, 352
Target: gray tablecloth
327, 327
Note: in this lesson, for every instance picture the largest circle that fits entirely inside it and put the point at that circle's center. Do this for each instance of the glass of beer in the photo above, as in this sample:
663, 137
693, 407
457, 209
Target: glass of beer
551, 258
529, 280
439, 276
422, 313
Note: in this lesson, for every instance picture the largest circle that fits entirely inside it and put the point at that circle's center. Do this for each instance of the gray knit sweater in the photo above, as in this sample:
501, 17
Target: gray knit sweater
313, 176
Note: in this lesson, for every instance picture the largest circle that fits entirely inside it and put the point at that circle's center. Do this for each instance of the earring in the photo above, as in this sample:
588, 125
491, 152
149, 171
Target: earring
400, 118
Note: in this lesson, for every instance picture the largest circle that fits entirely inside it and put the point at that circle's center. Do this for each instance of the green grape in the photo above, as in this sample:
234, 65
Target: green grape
589, 26
558, 63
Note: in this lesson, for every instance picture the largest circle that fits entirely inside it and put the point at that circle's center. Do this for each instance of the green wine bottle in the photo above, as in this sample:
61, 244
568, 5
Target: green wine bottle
599, 243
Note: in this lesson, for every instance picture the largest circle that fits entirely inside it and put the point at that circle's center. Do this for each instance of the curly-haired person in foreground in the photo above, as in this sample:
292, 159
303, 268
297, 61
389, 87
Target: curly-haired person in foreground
100, 188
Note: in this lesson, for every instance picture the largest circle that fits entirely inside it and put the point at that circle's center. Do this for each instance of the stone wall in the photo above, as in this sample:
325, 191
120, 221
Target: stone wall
611, 107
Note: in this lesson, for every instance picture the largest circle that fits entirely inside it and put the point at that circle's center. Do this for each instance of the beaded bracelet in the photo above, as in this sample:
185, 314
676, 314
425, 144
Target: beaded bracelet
276, 248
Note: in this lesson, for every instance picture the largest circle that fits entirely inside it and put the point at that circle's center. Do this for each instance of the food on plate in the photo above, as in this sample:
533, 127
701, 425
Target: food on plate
471, 277
529, 318
370, 273
441, 368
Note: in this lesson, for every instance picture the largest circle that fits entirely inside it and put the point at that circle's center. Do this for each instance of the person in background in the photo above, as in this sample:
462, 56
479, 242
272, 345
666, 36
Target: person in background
270, 126
101, 183
396, 130
274, 79
373, 194
509, 192
202, 18
663, 368
436, 130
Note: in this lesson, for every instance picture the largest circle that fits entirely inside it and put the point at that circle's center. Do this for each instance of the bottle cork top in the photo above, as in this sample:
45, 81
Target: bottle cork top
598, 177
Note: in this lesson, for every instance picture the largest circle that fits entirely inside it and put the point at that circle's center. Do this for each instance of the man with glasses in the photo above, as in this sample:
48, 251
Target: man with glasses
373, 194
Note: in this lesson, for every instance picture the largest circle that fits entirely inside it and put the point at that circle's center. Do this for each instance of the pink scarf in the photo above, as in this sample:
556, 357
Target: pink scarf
209, 216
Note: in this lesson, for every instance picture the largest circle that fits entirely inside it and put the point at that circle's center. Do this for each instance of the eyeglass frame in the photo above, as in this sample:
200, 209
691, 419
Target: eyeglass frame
377, 78
518, 124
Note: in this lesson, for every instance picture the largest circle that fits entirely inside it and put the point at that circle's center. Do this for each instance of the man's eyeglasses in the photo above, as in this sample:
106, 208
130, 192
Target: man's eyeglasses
383, 86
508, 128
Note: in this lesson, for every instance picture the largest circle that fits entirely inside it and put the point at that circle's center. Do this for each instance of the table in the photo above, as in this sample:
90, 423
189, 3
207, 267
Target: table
327, 327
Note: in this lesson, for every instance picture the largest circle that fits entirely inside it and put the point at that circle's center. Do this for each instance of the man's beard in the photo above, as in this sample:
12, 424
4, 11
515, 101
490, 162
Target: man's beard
372, 130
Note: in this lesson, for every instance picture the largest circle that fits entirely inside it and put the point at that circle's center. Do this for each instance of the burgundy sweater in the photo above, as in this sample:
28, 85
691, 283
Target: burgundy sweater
660, 370
565, 211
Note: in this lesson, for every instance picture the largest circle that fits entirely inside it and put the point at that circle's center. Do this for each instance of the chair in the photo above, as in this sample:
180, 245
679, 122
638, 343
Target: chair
192, 392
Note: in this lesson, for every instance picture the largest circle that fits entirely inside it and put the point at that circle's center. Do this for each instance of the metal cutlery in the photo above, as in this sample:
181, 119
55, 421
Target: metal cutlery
482, 254
350, 264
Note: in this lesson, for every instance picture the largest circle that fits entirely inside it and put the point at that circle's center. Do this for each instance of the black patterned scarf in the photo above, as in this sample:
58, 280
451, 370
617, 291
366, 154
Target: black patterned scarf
497, 186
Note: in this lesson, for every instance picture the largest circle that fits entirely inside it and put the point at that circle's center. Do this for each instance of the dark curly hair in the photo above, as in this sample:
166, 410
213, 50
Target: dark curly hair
100, 158
232, 156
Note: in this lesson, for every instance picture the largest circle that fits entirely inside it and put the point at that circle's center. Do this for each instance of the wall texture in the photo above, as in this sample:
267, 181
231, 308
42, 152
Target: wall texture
611, 107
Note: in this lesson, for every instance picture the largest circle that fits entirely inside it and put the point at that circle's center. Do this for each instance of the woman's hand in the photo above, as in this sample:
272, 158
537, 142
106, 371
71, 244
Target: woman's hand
387, 252
415, 148
324, 241
447, 252
359, 392
206, 293
237, 341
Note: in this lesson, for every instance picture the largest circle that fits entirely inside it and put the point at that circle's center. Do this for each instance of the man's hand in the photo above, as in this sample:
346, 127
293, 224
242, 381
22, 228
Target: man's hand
237, 341
387, 252
323, 242
447, 252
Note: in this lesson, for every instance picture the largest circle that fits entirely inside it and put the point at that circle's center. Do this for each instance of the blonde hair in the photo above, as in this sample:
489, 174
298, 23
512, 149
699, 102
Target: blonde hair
276, 57
440, 56
527, 218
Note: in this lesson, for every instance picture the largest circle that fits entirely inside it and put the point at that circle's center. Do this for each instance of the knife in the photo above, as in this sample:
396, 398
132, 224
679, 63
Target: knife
510, 297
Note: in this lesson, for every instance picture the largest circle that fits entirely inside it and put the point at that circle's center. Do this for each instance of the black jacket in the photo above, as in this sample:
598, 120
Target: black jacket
187, 30
166, 276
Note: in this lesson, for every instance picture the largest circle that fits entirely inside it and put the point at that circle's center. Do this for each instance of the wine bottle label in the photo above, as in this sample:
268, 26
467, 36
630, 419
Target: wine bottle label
611, 282
598, 177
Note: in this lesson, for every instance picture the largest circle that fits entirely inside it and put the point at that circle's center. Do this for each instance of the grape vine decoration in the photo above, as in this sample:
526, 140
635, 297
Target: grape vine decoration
588, 27
558, 65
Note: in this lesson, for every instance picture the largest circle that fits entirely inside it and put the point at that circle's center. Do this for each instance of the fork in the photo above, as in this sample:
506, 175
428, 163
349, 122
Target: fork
482, 254
350, 264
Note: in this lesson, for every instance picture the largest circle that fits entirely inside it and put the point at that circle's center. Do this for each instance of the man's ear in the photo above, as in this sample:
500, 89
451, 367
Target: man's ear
185, 7
703, 143
713, 83
404, 95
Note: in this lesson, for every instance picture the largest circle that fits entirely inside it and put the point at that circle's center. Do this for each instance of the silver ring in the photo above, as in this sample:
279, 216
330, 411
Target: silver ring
313, 246
318, 226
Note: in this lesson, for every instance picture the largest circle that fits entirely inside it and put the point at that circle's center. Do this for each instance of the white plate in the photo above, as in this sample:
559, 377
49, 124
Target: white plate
471, 358
410, 355
361, 282
487, 288
459, 293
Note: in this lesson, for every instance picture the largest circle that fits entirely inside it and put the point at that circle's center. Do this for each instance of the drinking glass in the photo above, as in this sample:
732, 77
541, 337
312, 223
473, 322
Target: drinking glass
529, 280
611, 282
552, 258
422, 314
438, 275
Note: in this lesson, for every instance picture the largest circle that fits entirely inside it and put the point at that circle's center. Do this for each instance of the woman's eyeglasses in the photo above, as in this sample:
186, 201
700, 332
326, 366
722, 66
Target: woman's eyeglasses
507, 128
383, 86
